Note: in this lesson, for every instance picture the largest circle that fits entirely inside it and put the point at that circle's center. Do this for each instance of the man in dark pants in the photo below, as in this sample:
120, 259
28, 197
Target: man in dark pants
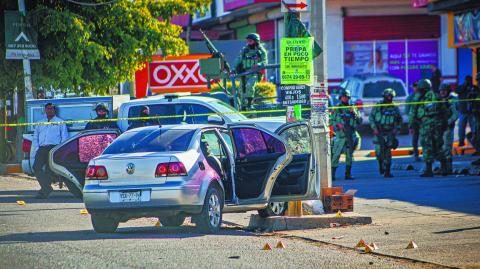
102, 114
415, 125
46, 137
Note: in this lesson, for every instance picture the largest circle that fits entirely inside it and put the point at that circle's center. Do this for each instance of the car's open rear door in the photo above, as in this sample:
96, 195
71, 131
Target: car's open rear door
70, 159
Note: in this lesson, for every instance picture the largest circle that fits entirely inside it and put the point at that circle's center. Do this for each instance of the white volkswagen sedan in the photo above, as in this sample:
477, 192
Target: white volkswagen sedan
176, 171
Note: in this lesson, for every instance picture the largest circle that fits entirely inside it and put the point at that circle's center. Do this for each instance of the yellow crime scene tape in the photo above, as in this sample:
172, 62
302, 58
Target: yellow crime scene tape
233, 112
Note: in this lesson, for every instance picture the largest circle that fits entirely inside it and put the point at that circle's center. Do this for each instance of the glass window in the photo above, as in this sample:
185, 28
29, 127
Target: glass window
229, 111
228, 139
181, 112
92, 146
375, 89
298, 139
152, 140
214, 144
273, 145
199, 109
249, 142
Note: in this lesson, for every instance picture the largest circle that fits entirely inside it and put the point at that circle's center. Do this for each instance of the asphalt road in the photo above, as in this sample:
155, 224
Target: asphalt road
53, 234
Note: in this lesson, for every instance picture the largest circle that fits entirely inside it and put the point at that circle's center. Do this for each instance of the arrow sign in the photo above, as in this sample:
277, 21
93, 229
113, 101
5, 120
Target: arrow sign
22, 35
301, 5
295, 5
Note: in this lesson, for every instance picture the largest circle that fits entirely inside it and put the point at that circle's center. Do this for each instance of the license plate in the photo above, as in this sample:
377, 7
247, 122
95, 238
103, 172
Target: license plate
130, 196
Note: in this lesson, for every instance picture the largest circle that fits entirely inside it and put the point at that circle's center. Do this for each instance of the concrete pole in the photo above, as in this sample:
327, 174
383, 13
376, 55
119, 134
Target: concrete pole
27, 73
318, 30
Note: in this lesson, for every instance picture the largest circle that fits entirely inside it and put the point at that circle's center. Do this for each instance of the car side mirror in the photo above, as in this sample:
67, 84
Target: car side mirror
215, 119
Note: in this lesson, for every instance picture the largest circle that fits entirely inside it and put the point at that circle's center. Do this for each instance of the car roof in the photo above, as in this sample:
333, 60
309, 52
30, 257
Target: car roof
179, 127
164, 99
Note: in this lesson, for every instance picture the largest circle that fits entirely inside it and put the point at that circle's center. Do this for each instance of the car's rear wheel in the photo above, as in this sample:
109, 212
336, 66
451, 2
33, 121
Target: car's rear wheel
104, 224
172, 221
273, 209
211, 217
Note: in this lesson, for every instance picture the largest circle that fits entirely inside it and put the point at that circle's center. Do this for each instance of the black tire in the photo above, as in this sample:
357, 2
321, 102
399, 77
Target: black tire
273, 209
104, 224
210, 219
172, 221
73, 189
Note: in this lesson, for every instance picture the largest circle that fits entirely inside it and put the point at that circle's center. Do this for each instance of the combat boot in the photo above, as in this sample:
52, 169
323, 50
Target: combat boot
380, 167
334, 169
428, 171
443, 167
387, 171
348, 173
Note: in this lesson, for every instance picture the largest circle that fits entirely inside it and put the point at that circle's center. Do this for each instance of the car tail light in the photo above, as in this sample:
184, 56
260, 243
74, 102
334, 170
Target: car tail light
359, 104
172, 169
96, 172
26, 146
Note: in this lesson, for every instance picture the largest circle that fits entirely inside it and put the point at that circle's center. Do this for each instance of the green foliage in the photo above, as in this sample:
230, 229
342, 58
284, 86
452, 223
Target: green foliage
264, 90
85, 48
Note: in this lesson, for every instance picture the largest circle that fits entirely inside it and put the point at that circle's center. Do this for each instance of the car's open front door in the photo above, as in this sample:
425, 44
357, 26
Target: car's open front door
300, 180
260, 156
70, 159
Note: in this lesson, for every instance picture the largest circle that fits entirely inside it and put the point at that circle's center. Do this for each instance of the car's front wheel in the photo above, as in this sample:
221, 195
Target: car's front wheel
172, 221
273, 209
104, 224
211, 217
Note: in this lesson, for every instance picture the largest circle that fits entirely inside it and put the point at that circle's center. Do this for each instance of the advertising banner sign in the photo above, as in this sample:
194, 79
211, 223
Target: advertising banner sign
467, 28
294, 95
20, 37
296, 60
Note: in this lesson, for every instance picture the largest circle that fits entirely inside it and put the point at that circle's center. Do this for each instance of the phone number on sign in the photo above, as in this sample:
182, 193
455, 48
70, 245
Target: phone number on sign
295, 76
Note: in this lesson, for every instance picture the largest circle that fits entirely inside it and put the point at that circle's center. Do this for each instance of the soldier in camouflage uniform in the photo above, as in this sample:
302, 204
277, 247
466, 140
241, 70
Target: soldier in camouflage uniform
385, 121
428, 113
252, 56
450, 115
345, 120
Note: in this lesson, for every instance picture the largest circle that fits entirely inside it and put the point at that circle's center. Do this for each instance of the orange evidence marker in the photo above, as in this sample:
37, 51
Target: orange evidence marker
267, 247
368, 249
280, 245
83, 212
21, 203
374, 246
412, 245
360, 244
157, 224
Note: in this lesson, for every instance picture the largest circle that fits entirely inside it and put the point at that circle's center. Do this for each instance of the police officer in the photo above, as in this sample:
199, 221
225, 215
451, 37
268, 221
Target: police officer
46, 137
102, 114
345, 120
450, 115
252, 56
385, 121
427, 112
144, 113
415, 128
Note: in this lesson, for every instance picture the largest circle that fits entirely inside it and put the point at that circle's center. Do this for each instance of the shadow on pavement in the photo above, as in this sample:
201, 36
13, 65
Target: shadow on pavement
453, 193
56, 197
122, 233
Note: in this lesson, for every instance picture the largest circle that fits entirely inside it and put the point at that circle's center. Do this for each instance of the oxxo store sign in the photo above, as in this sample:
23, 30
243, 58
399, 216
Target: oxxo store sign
171, 74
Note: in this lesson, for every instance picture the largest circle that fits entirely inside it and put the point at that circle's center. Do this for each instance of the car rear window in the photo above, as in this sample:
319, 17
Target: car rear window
375, 89
151, 140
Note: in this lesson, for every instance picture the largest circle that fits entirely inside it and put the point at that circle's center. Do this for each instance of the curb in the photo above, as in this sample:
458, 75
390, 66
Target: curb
10, 168
398, 152
282, 223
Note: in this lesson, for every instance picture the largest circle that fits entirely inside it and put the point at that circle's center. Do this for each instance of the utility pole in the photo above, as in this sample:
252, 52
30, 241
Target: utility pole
27, 73
322, 134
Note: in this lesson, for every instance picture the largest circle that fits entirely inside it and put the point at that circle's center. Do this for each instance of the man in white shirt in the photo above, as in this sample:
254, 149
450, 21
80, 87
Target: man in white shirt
46, 137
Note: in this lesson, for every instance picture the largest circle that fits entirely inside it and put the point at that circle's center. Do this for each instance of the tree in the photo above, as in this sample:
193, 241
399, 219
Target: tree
92, 45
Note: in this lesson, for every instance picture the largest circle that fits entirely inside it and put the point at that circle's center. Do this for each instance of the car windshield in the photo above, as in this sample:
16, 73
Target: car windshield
229, 111
375, 89
151, 140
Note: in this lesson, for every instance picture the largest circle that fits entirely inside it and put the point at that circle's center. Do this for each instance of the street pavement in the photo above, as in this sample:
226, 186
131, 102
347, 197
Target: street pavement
441, 215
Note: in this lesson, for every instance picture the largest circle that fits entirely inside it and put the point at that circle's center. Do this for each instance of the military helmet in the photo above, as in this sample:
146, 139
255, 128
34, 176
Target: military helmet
346, 93
424, 84
254, 36
100, 106
389, 91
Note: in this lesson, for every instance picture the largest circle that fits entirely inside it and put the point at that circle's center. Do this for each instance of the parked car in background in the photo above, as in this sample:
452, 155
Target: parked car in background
166, 171
367, 90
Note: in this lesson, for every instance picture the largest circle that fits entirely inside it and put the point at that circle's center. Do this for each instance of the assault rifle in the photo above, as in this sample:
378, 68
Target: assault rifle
215, 52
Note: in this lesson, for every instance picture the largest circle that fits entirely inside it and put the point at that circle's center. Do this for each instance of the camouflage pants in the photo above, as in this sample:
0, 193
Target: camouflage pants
384, 153
250, 83
447, 143
340, 145
432, 142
